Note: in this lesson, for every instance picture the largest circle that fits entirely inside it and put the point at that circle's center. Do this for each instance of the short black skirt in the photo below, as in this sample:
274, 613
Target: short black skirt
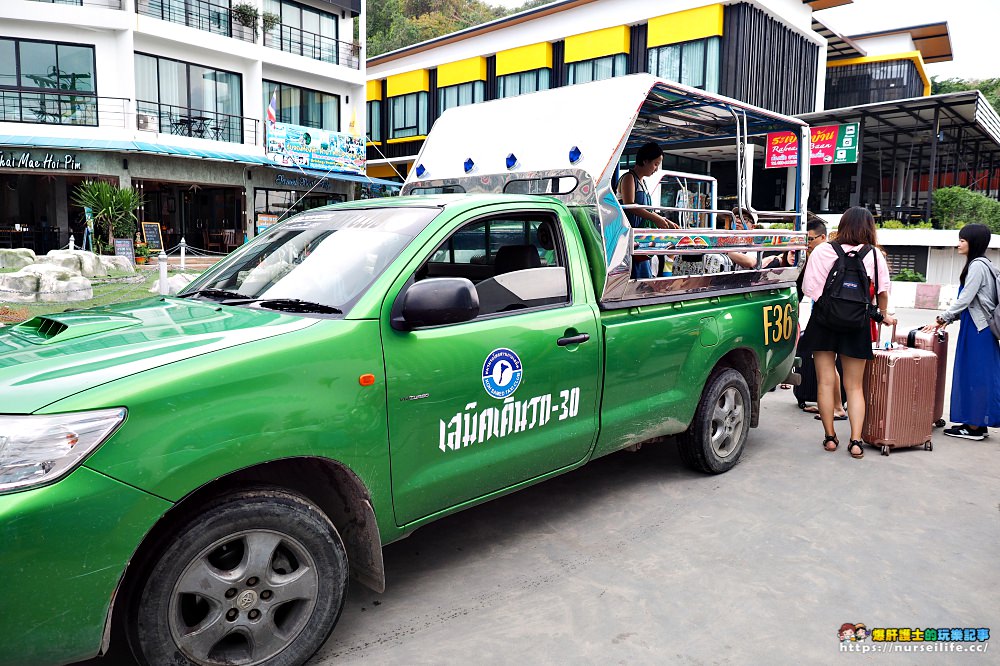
856, 344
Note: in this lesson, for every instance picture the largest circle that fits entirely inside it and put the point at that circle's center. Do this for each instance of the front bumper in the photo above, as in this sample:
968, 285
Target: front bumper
64, 549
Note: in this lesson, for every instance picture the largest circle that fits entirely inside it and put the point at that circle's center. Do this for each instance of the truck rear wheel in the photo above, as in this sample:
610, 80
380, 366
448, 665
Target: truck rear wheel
257, 577
714, 441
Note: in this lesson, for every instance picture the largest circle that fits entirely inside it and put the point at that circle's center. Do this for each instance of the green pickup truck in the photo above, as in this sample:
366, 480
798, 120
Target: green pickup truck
198, 475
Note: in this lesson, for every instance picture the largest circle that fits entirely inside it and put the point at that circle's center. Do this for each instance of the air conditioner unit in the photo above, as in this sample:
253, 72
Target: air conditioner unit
147, 122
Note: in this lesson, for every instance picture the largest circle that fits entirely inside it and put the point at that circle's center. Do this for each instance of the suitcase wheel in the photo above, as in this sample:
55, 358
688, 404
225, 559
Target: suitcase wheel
940, 423
928, 446
885, 450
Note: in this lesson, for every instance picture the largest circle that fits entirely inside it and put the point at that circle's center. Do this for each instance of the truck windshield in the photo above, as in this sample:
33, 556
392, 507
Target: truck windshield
327, 258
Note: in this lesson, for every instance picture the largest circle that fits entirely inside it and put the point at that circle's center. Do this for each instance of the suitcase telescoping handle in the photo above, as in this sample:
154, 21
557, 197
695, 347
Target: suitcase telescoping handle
877, 344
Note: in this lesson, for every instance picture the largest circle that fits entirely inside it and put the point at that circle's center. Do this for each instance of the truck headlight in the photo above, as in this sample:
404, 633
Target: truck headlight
40, 449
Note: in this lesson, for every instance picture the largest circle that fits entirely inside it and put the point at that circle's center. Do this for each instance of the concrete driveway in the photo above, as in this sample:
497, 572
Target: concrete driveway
636, 560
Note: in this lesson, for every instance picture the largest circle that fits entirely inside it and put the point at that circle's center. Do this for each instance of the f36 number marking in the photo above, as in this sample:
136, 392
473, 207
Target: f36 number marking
778, 324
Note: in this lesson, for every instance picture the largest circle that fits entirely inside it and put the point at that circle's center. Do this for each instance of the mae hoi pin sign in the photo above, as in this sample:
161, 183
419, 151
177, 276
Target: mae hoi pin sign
831, 144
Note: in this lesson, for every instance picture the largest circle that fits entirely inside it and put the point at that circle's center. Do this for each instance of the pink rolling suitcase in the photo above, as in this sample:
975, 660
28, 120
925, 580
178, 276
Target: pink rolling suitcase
900, 386
937, 343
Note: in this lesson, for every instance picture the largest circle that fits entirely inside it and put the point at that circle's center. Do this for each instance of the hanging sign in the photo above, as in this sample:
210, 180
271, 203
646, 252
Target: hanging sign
312, 148
830, 144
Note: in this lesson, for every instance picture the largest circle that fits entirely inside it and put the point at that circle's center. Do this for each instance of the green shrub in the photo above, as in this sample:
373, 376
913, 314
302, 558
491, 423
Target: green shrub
899, 224
954, 207
908, 275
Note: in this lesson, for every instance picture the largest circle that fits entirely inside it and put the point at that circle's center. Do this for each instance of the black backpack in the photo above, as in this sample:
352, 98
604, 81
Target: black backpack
846, 301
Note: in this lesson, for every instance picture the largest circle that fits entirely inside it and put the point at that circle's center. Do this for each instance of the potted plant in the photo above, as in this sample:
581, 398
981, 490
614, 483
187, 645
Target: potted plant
270, 20
113, 208
247, 15
141, 253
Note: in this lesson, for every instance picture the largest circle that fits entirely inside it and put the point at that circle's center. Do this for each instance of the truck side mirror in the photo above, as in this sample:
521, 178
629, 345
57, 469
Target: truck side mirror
437, 301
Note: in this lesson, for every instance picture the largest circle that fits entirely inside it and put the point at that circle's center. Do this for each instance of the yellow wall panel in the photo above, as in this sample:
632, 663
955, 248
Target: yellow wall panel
696, 23
374, 90
524, 58
463, 71
384, 171
597, 44
410, 82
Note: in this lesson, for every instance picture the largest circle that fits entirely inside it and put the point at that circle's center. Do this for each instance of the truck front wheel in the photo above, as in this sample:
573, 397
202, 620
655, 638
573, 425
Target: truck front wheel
714, 441
257, 577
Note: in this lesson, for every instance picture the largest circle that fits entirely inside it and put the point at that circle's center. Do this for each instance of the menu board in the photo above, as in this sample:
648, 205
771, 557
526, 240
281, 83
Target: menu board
124, 247
151, 234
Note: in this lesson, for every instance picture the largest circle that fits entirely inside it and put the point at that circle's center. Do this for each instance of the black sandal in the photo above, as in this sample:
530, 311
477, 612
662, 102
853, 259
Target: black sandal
856, 443
830, 438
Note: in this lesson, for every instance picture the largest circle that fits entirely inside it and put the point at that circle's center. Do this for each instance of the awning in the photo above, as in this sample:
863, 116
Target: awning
148, 148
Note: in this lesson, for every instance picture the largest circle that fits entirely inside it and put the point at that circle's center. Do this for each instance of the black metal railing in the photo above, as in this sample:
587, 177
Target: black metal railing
197, 123
33, 106
309, 44
110, 4
201, 14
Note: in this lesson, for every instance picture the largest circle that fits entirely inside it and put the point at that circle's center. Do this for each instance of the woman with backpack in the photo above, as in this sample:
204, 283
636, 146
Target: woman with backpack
838, 277
975, 381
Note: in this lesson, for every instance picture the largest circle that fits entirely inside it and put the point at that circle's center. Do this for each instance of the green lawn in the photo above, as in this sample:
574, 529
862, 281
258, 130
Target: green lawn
118, 287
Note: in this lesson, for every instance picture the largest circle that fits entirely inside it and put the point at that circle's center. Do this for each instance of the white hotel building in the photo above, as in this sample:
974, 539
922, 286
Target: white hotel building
170, 97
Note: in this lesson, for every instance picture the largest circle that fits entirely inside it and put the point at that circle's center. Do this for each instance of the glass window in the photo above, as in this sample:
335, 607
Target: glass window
597, 69
374, 110
38, 65
515, 262
694, 63
512, 85
314, 257
408, 115
8, 63
302, 106
460, 95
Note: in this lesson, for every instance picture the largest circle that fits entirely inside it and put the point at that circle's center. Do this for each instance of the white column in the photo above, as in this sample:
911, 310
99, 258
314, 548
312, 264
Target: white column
824, 187
790, 183
748, 170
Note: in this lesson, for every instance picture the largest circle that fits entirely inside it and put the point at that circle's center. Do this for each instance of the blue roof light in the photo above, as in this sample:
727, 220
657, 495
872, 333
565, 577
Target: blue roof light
469, 165
575, 155
511, 161
421, 171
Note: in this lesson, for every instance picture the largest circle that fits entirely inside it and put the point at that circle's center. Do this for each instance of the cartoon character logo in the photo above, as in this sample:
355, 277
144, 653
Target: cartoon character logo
846, 632
860, 631
502, 373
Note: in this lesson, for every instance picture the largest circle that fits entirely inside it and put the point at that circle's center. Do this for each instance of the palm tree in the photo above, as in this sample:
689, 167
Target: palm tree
113, 208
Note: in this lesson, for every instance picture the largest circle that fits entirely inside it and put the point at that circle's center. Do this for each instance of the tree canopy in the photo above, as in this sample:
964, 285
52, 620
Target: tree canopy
989, 87
394, 24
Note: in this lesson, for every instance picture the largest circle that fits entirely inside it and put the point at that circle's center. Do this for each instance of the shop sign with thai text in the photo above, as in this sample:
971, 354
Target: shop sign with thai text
50, 162
831, 144
312, 148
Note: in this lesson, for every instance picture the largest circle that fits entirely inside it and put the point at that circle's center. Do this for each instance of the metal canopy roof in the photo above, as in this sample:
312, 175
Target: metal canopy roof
969, 127
600, 120
142, 147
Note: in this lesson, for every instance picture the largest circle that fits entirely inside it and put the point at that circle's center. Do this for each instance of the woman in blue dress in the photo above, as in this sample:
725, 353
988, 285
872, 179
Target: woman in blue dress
632, 190
975, 382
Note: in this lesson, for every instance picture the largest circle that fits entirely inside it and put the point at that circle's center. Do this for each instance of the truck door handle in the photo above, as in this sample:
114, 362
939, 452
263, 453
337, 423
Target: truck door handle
573, 339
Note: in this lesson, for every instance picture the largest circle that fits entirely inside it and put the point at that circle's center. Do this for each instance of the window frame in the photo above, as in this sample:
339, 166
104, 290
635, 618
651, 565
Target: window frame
619, 61
537, 76
653, 56
187, 76
420, 98
478, 95
373, 118
20, 90
527, 216
269, 89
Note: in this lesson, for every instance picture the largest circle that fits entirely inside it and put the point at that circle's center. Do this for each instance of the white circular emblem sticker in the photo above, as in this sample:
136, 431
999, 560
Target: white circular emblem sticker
501, 373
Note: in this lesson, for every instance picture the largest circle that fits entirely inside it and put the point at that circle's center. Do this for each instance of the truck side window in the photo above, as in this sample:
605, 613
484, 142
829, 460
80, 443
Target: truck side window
515, 261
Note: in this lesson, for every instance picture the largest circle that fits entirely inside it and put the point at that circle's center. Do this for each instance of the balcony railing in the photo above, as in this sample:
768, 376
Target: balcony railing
110, 4
20, 106
201, 14
197, 123
309, 44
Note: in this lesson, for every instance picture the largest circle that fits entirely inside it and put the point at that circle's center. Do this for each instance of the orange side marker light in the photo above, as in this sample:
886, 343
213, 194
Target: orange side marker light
367, 379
